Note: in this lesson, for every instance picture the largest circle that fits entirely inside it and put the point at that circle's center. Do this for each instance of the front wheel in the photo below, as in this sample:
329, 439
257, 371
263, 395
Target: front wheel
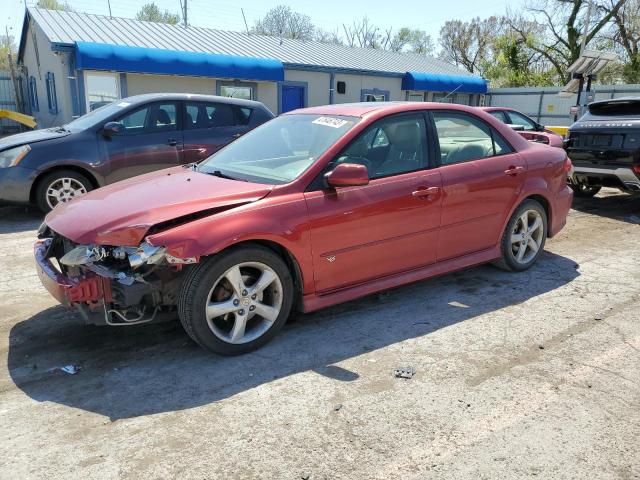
524, 237
584, 191
60, 186
237, 301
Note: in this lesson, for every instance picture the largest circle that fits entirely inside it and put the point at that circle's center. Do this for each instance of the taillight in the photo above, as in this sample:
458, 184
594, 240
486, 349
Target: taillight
636, 168
567, 165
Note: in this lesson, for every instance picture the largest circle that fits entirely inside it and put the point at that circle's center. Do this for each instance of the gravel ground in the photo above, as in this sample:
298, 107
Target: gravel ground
517, 375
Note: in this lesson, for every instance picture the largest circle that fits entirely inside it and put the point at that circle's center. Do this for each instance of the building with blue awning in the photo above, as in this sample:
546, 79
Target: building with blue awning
72, 63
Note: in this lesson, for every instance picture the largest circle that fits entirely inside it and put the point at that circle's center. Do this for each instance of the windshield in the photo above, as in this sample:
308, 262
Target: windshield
280, 150
97, 116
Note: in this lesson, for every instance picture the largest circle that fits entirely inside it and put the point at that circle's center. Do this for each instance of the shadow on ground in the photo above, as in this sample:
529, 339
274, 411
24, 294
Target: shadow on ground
611, 204
146, 369
19, 219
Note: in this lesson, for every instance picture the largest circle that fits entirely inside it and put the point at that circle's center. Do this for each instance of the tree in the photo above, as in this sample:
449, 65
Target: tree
54, 5
283, 22
411, 40
7, 47
626, 34
469, 44
561, 24
328, 36
362, 33
151, 13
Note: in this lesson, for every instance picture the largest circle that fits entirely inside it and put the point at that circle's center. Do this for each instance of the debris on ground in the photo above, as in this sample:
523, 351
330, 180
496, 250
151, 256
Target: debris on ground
404, 372
70, 369
337, 407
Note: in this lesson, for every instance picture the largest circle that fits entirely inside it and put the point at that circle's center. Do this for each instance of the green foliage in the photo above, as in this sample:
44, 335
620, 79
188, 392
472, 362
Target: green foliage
54, 5
151, 13
7, 46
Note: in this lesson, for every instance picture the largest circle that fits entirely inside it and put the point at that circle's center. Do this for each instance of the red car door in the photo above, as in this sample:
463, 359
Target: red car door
389, 226
482, 177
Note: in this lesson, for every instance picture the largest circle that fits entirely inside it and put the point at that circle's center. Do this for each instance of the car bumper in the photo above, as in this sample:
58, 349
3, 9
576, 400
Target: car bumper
561, 208
87, 293
15, 184
625, 176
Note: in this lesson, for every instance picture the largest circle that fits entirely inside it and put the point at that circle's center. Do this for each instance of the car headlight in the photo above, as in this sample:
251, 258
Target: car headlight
13, 156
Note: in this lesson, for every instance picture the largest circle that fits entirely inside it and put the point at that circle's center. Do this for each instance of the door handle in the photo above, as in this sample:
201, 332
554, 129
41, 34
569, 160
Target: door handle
513, 170
425, 192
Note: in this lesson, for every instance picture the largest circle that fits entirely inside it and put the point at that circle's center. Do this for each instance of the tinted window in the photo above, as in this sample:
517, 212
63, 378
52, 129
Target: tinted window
389, 147
463, 137
519, 119
209, 115
149, 119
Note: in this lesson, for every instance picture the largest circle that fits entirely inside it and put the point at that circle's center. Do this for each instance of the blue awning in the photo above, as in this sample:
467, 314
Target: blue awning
436, 82
122, 58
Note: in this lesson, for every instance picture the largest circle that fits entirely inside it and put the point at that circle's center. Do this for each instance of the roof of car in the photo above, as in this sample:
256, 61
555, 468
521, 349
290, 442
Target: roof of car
493, 109
149, 97
365, 108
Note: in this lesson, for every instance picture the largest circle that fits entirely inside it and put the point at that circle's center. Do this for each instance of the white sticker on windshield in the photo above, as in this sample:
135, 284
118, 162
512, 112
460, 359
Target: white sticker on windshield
330, 122
123, 104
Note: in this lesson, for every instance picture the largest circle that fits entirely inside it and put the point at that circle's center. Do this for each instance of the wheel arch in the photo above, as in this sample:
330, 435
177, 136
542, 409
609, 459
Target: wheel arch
74, 168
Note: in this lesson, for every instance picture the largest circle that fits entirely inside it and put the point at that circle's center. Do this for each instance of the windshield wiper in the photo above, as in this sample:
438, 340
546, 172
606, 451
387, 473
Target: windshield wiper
218, 173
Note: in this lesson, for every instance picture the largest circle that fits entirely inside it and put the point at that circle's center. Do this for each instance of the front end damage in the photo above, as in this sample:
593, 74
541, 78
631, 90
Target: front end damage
110, 285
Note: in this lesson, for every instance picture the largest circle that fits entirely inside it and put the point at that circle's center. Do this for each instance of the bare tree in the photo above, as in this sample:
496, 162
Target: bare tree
362, 33
328, 36
468, 44
625, 32
283, 22
151, 13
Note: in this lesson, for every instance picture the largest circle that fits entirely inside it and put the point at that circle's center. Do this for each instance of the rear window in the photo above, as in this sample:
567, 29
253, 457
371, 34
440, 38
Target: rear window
614, 109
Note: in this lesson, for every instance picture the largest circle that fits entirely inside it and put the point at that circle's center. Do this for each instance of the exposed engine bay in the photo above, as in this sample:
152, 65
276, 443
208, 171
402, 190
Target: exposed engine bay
115, 285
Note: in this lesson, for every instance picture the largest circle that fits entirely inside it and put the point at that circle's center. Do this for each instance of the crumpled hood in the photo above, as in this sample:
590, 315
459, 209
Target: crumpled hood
122, 213
30, 137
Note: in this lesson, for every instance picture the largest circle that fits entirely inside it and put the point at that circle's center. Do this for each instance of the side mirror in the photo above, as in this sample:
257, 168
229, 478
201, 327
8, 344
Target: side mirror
112, 128
539, 128
347, 175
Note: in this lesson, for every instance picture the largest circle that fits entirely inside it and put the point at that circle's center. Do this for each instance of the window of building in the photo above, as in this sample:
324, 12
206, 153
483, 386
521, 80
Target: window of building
52, 99
442, 97
102, 88
463, 137
462, 99
416, 97
244, 91
33, 94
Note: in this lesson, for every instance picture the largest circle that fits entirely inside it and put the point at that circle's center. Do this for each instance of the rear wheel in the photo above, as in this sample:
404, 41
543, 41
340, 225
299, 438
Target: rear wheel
524, 237
60, 186
585, 191
237, 301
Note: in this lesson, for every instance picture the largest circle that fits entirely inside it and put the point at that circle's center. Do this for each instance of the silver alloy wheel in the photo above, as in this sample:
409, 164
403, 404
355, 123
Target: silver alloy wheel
527, 236
61, 190
244, 302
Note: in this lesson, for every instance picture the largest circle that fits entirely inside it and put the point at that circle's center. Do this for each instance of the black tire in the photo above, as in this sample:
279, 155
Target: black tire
584, 191
50, 178
508, 260
197, 286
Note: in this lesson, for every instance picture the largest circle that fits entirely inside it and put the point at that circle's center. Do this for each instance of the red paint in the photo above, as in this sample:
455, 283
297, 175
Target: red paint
348, 241
348, 175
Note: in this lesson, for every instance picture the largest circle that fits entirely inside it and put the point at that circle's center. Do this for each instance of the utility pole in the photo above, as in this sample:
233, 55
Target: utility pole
184, 13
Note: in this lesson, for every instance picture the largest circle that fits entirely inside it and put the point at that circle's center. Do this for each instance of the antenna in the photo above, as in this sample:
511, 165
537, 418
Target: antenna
245, 21
452, 92
109, 3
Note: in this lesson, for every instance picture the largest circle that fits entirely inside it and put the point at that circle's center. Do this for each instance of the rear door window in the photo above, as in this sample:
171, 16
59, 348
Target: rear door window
519, 119
200, 115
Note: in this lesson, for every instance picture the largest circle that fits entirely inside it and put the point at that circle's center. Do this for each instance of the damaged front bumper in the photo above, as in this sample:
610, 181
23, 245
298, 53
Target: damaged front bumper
88, 293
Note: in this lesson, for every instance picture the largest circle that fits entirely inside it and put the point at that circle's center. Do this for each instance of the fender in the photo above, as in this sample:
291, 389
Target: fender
532, 186
50, 165
281, 220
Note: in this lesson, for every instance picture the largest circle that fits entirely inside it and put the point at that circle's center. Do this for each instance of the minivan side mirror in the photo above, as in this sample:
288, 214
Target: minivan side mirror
112, 128
347, 175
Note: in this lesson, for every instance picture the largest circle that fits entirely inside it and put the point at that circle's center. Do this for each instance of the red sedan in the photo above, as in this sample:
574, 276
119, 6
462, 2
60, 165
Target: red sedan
316, 207
529, 129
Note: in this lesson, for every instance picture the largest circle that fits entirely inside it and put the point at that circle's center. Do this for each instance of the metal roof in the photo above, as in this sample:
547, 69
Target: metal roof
66, 28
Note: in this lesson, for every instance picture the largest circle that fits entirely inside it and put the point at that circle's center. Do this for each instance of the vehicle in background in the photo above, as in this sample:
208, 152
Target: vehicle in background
125, 138
604, 146
525, 126
316, 207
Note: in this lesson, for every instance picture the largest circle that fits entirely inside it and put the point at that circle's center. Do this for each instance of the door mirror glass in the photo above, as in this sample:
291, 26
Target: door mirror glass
112, 128
348, 175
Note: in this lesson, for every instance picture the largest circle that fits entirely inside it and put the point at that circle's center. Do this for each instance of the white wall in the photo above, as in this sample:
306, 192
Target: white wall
356, 83
49, 61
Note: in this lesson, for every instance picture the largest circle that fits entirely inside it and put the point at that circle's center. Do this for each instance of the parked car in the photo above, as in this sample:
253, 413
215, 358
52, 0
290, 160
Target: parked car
316, 207
604, 145
525, 126
117, 141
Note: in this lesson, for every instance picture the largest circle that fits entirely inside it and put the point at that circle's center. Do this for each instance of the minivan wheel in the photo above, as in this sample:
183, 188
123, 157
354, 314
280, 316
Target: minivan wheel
524, 237
236, 301
60, 186
584, 191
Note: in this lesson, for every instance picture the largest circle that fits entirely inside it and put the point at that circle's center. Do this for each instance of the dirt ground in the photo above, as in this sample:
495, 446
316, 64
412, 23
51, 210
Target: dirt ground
517, 376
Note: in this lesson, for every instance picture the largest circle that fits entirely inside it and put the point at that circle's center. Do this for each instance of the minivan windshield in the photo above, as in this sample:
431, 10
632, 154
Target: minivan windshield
96, 116
280, 150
